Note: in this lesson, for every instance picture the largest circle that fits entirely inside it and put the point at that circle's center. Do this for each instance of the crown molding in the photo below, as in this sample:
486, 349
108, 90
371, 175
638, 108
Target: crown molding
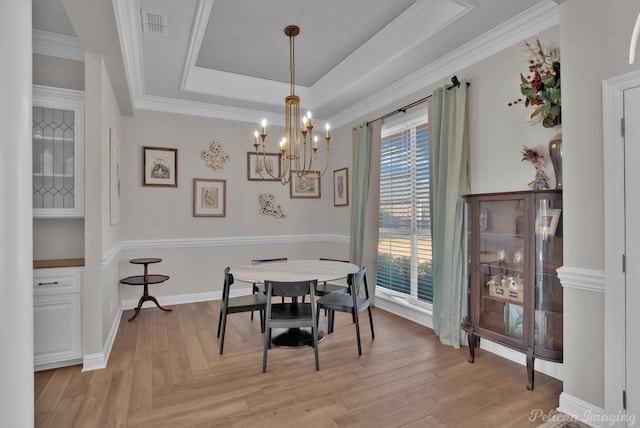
527, 24
127, 14
57, 45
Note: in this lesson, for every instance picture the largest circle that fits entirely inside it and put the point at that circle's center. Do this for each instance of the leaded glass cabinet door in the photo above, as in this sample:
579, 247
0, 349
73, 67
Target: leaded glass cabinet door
58, 119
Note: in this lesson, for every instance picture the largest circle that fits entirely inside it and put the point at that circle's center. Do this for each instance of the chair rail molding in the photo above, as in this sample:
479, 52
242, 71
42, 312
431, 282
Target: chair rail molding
581, 278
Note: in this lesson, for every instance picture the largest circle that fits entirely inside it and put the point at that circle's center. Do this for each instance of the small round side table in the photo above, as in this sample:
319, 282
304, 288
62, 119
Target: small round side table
145, 280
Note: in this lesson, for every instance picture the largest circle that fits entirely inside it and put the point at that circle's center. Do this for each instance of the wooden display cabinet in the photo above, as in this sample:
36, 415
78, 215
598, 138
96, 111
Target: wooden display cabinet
514, 246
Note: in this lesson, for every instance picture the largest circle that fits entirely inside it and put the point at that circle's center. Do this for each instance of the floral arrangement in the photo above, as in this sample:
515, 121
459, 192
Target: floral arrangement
542, 87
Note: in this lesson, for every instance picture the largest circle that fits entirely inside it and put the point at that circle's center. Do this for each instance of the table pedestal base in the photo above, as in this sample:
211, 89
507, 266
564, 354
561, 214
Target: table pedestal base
146, 297
296, 338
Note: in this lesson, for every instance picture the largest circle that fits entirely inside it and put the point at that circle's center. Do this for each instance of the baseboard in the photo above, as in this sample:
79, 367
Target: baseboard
555, 370
174, 300
99, 361
590, 414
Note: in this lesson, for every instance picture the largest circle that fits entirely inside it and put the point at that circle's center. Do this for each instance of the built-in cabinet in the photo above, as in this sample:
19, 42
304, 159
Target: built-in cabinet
57, 316
514, 246
58, 141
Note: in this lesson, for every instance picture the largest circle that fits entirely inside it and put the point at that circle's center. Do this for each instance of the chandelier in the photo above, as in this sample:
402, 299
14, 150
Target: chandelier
298, 148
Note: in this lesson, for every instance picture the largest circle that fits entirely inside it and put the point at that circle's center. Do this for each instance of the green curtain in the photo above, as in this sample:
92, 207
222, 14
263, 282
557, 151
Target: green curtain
449, 180
361, 144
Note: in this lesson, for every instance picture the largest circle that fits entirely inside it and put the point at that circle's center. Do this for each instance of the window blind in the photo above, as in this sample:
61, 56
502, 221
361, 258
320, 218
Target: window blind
404, 243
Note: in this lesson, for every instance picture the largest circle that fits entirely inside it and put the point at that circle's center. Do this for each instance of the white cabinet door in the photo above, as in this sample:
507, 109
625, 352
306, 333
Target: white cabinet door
58, 160
57, 336
57, 317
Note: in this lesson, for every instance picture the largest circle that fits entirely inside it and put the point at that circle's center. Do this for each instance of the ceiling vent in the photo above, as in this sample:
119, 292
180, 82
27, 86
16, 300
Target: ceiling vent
154, 23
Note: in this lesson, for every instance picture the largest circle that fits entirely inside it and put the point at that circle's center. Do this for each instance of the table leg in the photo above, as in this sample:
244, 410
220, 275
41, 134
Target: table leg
140, 302
153, 299
145, 297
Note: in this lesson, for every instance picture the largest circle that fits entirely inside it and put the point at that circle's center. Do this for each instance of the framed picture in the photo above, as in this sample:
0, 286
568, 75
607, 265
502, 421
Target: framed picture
547, 223
305, 187
114, 177
259, 167
515, 319
341, 187
209, 197
160, 167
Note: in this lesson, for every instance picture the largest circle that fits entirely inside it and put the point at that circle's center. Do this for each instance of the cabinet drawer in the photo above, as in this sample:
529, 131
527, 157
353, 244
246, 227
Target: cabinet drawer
57, 281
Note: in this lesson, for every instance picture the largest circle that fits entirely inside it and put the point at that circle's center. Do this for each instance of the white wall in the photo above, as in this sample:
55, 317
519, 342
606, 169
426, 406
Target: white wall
165, 214
595, 40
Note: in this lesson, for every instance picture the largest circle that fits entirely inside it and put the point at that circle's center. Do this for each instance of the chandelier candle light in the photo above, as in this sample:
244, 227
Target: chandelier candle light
298, 148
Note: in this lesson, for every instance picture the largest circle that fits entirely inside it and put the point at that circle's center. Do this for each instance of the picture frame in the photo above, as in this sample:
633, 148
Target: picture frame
515, 319
256, 165
209, 197
341, 187
304, 187
160, 167
547, 221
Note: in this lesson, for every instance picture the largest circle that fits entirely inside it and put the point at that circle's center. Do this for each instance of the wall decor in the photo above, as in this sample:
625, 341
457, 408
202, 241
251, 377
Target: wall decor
209, 197
114, 177
341, 187
216, 157
547, 221
160, 167
304, 187
268, 207
263, 168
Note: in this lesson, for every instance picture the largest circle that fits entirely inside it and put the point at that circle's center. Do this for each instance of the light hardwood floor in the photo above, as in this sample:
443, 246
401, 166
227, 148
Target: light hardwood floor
165, 371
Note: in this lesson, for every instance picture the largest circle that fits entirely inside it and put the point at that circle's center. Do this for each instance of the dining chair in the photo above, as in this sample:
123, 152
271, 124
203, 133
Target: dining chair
352, 303
259, 288
294, 314
234, 305
326, 287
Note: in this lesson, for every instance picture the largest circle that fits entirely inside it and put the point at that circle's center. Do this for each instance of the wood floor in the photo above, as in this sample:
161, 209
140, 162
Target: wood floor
165, 371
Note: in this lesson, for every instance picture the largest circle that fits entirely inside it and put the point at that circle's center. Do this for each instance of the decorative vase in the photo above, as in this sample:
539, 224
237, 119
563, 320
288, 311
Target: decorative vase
555, 153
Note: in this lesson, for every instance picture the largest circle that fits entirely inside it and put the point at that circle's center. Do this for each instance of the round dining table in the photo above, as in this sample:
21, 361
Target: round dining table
294, 270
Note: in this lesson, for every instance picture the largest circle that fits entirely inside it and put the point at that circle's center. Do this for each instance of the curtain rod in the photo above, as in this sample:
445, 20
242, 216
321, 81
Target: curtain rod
454, 83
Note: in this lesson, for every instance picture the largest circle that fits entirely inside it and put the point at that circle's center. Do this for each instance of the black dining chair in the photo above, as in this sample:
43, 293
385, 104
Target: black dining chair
327, 287
291, 314
259, 288
234, 305
351, 303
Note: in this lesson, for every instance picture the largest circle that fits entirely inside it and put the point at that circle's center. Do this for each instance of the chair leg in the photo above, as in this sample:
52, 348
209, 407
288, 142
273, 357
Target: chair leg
224, 326
219, 323
267, 339
330, 319
373, 335
314, 332
261, 321
355, 315
253, 291
318, 314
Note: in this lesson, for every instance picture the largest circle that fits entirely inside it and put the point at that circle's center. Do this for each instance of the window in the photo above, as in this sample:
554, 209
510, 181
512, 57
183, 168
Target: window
404, 242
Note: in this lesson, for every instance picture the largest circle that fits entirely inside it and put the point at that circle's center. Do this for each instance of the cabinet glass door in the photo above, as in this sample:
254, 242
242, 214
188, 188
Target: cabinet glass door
53, 158
548, 293
501, 267
57, 164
